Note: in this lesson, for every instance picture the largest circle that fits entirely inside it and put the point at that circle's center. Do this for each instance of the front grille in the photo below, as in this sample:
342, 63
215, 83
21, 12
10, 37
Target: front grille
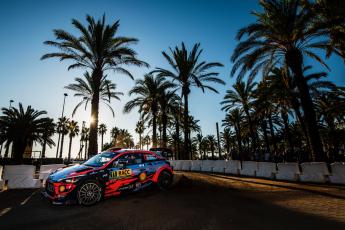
50, 188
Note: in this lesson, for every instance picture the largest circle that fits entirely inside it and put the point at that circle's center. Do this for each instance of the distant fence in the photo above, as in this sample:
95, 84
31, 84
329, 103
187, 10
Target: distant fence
315, 172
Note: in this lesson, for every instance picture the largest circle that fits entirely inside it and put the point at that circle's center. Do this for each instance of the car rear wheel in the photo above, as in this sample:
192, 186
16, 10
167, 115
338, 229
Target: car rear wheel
164, 180
89, 193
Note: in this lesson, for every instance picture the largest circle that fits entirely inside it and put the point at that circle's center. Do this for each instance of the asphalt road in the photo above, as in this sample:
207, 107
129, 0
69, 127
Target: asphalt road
189, 204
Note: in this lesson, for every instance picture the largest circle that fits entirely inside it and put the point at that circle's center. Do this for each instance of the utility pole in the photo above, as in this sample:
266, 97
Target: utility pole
63, 109
219, 150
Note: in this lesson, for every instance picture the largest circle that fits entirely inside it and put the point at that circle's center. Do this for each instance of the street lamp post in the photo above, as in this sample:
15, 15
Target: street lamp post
11, 101
63, 110
7, 145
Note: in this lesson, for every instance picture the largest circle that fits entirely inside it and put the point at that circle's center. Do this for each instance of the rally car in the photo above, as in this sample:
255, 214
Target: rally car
106, 174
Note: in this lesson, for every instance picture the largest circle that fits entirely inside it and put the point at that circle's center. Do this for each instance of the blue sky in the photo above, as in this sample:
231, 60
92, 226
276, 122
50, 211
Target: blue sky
157, 24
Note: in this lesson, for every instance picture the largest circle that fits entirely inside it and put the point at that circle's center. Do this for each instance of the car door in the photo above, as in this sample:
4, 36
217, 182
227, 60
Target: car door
125, 171
152, 163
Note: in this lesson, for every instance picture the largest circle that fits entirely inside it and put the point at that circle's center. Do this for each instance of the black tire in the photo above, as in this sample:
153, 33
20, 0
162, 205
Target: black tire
164, 180
89, 193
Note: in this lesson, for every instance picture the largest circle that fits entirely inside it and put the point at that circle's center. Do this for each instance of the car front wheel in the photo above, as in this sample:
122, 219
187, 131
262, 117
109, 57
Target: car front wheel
89, 193
164, 180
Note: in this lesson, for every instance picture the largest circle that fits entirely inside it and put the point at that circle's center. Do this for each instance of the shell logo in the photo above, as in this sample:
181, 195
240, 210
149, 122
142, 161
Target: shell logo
142, 176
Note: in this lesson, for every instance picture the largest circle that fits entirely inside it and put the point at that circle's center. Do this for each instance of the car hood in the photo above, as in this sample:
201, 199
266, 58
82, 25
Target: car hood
75, 170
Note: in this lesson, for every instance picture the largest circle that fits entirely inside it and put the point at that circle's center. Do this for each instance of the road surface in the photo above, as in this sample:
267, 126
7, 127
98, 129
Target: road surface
196, 201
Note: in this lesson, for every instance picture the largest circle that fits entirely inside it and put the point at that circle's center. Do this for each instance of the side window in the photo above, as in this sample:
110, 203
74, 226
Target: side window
150, 157
129, 159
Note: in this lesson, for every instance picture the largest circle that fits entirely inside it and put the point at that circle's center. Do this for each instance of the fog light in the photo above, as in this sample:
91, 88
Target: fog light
62, 188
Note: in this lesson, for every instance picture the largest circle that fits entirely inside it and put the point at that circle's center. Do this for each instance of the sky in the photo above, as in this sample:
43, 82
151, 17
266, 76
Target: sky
157, 24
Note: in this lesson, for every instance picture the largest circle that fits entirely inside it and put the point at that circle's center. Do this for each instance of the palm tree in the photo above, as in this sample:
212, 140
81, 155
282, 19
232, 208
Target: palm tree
102, 129
85, 134
98, 49
167, 101
188, 71
328, 19
226, 137
49, 131
148, 90
233, 119
73, 130
211, 140
21, 128
147, 141
199, 138
114, 134
140, 128
86, 88
241, 96
62, 127
282, 35
125, 139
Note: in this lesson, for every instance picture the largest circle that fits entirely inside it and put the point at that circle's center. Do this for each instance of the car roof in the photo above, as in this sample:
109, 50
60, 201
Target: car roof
133, 151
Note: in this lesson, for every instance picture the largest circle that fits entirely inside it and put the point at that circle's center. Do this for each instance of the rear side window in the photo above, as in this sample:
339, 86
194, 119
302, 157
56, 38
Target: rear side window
150, 157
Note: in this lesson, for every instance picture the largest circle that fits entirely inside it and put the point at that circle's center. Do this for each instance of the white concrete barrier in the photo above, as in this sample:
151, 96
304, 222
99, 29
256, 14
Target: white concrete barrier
232, 167
266, 170
196, 166
249, 168
207, 166
219, 166
186, 164
338, 173
21, 176
173, 164
288, 171
46, 170
178, 165
314, 172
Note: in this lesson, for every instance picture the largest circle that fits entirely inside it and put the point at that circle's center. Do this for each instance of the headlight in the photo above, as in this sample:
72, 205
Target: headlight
71, 179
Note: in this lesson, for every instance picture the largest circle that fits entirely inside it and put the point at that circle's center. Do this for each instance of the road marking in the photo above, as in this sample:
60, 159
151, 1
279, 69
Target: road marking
27, 199
4, 211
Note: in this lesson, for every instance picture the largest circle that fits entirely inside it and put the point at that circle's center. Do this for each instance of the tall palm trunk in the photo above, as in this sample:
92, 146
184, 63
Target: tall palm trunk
251, 129
7, 147
273, 136
294, 60
61, 147
264, 130
93, 143
58, 145
177, 125
164, 124
238, 137
154, 127
70, 148
186, 127
102, 141
18, 151
85, 150
285, 118
44, 148
140, 143
295, 106
200, 152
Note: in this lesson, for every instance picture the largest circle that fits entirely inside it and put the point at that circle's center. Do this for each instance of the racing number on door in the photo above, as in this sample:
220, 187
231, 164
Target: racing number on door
120, 173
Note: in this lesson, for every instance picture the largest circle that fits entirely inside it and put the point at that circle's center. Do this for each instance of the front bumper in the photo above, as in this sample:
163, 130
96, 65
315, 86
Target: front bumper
52, 195
58, 200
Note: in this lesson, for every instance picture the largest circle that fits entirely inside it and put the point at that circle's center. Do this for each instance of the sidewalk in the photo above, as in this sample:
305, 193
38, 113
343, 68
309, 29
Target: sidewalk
327, 201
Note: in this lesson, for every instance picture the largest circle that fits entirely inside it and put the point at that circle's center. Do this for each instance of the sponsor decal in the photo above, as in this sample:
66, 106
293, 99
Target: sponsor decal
120, 173
142, 176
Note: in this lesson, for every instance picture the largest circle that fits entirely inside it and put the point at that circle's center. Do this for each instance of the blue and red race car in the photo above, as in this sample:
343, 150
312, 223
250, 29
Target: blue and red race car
106, 174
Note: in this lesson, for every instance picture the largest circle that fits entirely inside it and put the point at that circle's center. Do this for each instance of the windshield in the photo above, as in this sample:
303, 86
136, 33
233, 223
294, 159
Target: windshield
100, 159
